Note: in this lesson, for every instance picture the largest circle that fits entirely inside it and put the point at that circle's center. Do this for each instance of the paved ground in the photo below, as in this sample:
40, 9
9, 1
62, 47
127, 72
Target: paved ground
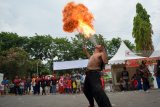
118, 99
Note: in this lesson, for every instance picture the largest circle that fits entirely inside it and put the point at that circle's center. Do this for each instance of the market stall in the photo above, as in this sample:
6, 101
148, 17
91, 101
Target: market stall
122, 58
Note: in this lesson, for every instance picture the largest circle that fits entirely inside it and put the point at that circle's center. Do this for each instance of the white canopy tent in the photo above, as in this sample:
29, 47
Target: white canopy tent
70, 64
123, 54
156, 53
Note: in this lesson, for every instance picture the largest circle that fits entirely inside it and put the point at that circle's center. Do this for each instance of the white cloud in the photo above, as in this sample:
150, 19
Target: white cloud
112, 17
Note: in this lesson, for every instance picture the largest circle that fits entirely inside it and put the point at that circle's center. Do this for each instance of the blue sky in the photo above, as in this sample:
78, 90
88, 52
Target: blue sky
113, 18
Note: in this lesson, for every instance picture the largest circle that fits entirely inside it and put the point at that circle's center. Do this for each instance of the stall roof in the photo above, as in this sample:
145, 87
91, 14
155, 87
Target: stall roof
123, 54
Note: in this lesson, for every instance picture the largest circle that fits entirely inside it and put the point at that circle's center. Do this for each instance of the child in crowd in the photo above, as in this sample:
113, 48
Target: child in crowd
122, 84
74, 86
21, 86
1, 89
61, 88
78, 81
11, 88
69, 85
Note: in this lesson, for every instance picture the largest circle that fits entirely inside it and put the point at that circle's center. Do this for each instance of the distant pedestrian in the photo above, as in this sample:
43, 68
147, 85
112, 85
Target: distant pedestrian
125, 77
43, 85
60, 85
157, 73
34, 84
1, 89
74, 86
53, 84
28, 85
5, 82
78, 81
144, 76
48, 83
21, 87
16, 82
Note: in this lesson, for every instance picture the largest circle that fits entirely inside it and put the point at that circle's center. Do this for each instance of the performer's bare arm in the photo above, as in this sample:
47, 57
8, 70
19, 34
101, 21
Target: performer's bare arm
104, 56
86, 52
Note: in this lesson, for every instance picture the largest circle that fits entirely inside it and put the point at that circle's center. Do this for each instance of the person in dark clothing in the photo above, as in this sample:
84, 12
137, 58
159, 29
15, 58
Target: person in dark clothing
138, 78
48, 84
28, 85
157, 73
43, 85
92, 85
53, 84
144, 72
125, 77
38, 80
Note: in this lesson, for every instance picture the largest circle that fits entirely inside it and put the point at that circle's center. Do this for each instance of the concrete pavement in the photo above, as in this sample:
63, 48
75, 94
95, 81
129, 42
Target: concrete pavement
118, 99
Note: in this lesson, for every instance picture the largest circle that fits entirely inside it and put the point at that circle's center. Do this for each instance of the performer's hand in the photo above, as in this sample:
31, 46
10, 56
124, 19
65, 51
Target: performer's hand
84, 49
86, 52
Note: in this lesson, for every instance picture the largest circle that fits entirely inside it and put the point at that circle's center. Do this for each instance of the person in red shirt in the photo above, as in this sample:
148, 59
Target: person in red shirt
47, 88
24, 85
16, 82
43, 85
61, 89
69, 85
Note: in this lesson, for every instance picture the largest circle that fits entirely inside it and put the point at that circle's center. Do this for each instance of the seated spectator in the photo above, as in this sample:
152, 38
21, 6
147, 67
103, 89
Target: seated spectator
134, 83
122, 84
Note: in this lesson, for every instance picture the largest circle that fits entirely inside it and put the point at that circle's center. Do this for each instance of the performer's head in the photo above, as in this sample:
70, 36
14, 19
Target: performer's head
99, 48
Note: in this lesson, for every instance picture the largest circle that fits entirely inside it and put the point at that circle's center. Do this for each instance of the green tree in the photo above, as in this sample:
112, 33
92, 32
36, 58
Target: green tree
62, 49
78, 42
142, 30
114, 44
39, 46
14, 62
130, 45
11, 40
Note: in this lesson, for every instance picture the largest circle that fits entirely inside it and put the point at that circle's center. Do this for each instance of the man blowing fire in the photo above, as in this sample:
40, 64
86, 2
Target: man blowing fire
76, 17
92, 86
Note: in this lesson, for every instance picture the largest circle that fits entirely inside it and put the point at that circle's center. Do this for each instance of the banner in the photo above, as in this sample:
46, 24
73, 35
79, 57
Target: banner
136, 63
107, 70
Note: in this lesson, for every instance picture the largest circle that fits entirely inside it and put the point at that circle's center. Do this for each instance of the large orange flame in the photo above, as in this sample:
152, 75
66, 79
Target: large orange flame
77, 17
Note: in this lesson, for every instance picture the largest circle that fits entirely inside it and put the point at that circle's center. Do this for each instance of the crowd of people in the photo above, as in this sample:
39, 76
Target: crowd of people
70, 84
44, 85
142, 79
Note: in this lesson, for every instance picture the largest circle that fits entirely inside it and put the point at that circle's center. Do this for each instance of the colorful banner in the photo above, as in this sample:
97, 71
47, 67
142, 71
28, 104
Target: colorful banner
136, 63
107, 72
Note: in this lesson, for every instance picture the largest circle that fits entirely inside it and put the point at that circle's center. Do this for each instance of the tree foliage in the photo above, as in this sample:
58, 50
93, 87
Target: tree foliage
142, 29
11, 40
39, 46
114, 44
14, 62
24, 55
